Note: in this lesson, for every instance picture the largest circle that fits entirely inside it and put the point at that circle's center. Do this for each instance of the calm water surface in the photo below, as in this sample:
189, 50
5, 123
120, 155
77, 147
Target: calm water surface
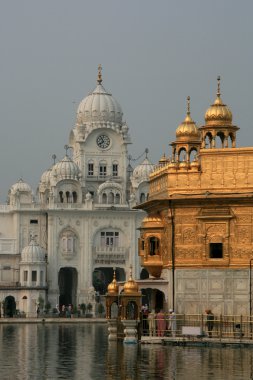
71, 351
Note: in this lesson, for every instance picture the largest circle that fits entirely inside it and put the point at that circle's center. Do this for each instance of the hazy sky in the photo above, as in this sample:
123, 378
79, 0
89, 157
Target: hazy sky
153, 53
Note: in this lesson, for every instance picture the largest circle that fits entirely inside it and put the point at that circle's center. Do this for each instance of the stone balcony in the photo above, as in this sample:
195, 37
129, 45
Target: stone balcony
110, 255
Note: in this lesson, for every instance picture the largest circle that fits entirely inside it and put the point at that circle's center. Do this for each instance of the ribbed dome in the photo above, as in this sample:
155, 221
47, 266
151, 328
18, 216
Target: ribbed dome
187, 130
130, 287
99, 106
33, 253
113, 287
218, 113
20, 186
45, 178
66, 169
143, 170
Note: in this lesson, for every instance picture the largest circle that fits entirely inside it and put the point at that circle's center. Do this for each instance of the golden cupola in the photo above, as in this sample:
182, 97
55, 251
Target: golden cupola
130, 287
218, 114
113, 287
187, 130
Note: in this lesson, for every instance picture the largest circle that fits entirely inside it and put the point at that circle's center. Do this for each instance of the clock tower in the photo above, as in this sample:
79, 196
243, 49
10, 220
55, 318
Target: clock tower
99, 141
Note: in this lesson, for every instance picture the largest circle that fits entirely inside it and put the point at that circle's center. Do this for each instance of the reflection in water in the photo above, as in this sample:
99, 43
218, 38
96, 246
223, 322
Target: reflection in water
82, 351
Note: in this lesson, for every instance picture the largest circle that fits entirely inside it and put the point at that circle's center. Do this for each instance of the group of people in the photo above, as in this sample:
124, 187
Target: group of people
158, 324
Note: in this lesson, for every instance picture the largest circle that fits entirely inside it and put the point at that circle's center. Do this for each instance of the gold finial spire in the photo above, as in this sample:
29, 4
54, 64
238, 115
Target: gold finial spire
218, 86
188, 105
130, 274
99, 79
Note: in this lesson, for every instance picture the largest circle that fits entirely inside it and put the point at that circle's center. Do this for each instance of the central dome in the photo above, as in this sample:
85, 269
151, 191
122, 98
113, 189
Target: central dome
99, 106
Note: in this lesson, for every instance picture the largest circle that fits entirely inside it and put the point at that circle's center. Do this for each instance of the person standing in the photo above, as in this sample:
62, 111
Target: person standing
172, 323
209, 322
152, 323
161, 323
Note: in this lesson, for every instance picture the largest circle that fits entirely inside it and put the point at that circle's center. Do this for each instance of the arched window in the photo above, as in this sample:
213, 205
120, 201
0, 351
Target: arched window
142, 198
61, 196
102, 169
90, 168
111, 198
153, 246
104, 198
117, 198
115, 169
68, 197
74, 196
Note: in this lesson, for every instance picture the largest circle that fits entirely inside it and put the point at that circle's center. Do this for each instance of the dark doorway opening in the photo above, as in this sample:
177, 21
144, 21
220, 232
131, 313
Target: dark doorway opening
102, 277
67, 281
9, 307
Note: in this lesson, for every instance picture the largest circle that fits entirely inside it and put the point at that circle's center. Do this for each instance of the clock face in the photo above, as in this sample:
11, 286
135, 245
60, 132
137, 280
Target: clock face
103, 141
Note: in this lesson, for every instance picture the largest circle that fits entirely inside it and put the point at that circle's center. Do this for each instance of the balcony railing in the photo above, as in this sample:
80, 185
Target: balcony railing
103, 178
110, 255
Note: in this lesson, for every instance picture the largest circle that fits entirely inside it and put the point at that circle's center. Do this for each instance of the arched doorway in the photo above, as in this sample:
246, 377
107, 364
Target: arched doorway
67, 281
102, 277
9, 307
153, 298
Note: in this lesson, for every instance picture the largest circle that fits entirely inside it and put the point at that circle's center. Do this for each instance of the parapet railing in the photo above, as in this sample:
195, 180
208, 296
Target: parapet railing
222, 326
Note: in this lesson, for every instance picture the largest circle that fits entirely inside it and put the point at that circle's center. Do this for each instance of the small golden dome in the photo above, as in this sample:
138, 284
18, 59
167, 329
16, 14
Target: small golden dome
113, 287
152, 221
131, 287
187, 129
218, 113
163, 160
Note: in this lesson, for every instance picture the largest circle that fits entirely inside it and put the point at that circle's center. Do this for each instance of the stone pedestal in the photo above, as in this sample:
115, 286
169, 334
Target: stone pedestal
112, 329
130, 331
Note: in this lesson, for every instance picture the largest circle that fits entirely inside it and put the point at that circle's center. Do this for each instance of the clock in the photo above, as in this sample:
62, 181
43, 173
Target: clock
103, 141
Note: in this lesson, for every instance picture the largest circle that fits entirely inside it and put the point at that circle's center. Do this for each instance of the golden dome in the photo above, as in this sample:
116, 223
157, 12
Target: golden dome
163, 160
187, 129
130, 287
113, 287
218, 113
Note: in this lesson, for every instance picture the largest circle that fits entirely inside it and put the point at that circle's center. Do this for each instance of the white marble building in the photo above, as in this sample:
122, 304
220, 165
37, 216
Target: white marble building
60, 243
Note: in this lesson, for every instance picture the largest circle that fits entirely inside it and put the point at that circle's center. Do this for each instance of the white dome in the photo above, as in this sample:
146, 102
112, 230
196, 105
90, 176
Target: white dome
20, 186
66, 169
33, 253
99, 106
142, 171
45, 178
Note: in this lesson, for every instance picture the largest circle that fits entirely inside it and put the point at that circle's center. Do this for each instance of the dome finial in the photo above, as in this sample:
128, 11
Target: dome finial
99, 79
218, 86
130, 274
188, 105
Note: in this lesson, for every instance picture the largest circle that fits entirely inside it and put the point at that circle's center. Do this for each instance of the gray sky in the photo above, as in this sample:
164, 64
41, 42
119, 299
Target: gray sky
153, 54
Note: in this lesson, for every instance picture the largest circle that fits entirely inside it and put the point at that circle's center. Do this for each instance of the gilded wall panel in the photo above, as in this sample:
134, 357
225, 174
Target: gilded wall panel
241, 252
193, 252
244, 234
189, 236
